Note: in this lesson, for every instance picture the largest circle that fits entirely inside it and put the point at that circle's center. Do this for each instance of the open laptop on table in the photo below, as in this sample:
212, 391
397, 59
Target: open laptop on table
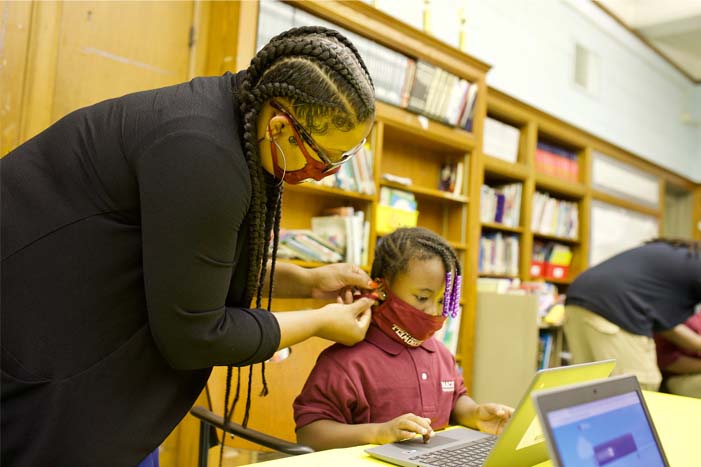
520, 444
599, 423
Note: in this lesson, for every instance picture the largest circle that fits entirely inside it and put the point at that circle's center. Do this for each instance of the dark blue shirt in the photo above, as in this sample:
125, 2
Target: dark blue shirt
644, 290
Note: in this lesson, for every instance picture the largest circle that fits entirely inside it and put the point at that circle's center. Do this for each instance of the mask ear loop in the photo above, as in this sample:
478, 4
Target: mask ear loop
284, 161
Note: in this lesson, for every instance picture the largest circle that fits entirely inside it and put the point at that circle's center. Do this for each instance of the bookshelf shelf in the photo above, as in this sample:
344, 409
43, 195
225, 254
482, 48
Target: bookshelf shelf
501, 227
510, 171
415, 128
556, 238
329, 191
458, 246
426, 192
498, 276
561, 188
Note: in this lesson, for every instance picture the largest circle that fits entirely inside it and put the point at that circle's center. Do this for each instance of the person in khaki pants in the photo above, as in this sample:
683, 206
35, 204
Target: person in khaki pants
613, 309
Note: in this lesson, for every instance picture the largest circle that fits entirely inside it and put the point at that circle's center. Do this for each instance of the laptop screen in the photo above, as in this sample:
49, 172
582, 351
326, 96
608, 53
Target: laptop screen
612, 432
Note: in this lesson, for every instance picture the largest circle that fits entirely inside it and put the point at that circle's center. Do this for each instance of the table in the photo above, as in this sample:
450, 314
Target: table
676, 418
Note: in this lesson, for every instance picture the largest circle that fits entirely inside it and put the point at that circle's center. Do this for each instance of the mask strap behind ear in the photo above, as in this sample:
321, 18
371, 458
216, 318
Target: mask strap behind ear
284, 161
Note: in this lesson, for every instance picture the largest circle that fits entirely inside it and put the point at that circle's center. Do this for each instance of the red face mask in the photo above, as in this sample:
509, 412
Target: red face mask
404, 323
313, 168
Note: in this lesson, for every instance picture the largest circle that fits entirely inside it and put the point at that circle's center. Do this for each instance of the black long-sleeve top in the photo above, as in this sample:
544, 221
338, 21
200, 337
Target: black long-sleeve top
644, 290
124, 265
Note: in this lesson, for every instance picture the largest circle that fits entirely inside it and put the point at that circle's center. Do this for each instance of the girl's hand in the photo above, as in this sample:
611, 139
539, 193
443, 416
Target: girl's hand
403, 427
338, 281
492, 418
346, 324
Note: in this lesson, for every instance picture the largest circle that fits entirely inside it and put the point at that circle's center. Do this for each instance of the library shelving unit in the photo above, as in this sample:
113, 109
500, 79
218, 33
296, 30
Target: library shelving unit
403, 144
667, 192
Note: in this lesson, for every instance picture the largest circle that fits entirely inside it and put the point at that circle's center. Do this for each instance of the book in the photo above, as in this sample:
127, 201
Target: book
423, 78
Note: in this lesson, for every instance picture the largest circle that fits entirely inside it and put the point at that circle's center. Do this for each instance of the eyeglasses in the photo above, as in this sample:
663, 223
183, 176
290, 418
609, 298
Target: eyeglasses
330, 165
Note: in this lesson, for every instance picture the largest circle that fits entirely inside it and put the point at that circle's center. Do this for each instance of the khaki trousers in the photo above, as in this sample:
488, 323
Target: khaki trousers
684, 385
591, 337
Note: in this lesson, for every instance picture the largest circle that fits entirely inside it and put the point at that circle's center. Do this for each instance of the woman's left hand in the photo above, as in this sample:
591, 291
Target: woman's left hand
492, 418
338, 281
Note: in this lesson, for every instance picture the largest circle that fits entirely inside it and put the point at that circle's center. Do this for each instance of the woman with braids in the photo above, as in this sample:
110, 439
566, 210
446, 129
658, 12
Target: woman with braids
135, 238
399, 382
613, 309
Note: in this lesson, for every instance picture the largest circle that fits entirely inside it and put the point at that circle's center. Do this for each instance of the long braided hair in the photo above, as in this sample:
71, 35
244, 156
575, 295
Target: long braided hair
322, 74
395, 251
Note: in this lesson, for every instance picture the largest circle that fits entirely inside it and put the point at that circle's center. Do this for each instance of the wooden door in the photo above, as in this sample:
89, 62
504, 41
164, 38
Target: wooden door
108, 49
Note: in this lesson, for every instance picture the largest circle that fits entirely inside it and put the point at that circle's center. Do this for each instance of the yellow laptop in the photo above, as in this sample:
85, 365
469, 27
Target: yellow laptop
521, 444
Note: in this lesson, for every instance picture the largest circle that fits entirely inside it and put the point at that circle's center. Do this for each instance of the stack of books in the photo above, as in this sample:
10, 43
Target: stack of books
356, 175
552, 216
347, 230
498, 254
501, 204
556, 161
307, 246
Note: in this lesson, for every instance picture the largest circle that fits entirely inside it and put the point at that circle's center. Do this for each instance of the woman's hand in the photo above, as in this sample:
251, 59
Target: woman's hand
338, 281
403, 427
492, 418
346, 324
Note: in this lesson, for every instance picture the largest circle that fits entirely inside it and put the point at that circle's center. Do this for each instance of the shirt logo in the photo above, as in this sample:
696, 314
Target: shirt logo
448, 386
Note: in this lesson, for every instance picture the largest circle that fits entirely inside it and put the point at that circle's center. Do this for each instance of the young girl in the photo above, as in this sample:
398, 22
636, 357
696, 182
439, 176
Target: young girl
399, 382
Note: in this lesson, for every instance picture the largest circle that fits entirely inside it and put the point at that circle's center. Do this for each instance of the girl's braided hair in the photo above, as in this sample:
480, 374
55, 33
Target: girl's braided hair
394, 252
694, 246
323, 76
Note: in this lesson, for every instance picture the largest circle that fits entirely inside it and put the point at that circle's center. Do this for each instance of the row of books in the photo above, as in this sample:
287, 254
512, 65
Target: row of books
356, 175
442, 96
500, 140
399, 80
501, 204
498, 254
451, 177
557, 161
552, 216
341, 236
550, 260
308, 246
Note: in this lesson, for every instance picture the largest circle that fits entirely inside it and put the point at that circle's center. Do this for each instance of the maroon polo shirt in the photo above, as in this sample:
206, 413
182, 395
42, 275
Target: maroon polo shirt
380, 379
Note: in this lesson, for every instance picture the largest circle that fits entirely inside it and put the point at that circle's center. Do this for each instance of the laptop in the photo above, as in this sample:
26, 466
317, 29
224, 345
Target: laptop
520, 444
599, 423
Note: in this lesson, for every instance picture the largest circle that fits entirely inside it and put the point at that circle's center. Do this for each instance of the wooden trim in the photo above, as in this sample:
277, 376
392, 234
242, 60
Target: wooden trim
40, 76
329, 191
246, 44
362, 18
645, 41
442, 135
696, 208
556, 238
496, 166
609, 199
559, 187
501, 227
426, 192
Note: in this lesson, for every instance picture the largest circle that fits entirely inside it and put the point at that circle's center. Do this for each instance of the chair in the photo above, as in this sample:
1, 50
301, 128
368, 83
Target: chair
208, 420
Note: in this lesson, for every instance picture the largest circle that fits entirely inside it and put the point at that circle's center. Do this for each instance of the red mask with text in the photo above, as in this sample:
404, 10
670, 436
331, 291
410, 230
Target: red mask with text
314, 169
404, 323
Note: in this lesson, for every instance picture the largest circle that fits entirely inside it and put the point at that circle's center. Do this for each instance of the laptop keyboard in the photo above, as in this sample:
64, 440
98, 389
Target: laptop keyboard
472, 453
